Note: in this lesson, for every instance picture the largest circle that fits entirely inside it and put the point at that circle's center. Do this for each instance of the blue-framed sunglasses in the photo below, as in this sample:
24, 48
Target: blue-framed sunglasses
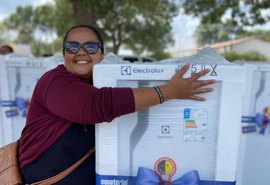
73, 47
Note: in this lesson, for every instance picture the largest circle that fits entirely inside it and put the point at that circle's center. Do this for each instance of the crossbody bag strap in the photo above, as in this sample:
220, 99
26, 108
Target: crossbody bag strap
67, 171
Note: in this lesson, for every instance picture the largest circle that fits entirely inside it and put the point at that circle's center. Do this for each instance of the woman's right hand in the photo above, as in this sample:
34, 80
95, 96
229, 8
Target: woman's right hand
187, 88
177, 88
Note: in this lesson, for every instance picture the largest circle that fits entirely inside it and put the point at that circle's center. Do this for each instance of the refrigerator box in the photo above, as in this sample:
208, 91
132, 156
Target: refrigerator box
255, 137
18, 77
179, 140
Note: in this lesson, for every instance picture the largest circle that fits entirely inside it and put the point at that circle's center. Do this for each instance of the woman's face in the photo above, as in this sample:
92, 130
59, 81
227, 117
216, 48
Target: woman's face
81, 64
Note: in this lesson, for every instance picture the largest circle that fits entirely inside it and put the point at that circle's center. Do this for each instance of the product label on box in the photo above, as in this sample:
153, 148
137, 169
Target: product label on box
195, 124
131, 180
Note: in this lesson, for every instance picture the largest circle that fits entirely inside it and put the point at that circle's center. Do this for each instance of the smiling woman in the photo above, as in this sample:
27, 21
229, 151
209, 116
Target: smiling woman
82, 50
65, 106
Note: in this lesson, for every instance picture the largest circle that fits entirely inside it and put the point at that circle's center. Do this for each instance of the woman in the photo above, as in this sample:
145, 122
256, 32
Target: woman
65, 106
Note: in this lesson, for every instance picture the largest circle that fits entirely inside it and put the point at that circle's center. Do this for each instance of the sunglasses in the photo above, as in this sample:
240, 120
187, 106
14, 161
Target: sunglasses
73, 47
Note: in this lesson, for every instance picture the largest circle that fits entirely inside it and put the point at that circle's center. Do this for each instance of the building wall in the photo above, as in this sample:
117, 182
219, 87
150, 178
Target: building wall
240, 47
253, 45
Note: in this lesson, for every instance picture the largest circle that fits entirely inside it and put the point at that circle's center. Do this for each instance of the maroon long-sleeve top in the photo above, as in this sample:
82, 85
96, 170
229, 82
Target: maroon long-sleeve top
60, 99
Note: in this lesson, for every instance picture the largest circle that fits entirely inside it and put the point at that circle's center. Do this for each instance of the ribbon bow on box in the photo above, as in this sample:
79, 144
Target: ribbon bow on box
148, 176
19, 102
261, 120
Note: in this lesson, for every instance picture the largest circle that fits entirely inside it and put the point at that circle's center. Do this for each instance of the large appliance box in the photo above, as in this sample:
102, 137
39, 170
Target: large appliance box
178, 136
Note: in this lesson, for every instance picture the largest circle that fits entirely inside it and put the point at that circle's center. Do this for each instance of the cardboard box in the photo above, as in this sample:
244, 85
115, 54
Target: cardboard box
177, 136
18, 77
255, 138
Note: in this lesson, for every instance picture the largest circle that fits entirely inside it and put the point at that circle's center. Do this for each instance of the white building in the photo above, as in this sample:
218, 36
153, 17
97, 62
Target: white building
242, 45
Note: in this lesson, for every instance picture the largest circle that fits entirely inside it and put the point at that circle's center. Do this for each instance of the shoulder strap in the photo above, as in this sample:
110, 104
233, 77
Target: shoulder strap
67, 171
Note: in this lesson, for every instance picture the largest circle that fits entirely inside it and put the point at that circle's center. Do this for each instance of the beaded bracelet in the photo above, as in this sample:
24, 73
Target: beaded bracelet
160, 95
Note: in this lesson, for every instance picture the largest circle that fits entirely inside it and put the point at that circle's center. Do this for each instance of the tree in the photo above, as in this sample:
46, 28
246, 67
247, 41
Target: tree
22, 22
139, 25
85, 11
262, 34
27, 22
247, 56
241, 12
162, 55
212, 33
223, 20
64, 16
43, 21
142, 26
4, 36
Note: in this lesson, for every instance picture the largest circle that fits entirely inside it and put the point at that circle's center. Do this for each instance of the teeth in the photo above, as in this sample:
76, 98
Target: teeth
81, 62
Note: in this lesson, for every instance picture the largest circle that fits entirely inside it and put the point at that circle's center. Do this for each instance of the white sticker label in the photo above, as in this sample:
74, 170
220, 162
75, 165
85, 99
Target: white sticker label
195, 124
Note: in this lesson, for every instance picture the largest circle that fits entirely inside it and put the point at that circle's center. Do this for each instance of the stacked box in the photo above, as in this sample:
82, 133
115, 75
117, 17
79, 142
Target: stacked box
18, 77
178, 136
255, 138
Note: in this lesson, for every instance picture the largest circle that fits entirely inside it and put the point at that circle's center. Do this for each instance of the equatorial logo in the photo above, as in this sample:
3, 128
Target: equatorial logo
165, 167
125, 70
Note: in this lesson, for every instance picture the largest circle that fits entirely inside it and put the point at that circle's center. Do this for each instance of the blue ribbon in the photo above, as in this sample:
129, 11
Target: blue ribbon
258, 119
261, 120
148, 176
19, 102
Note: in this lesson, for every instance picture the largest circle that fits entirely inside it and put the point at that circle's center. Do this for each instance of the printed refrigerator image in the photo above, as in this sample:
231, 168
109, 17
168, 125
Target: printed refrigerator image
179, 140
18, 77
255, 138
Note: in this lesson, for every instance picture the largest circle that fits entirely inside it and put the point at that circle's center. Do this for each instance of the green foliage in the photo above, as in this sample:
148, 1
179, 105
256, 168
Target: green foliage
4, 37
161, 55
41, 48
224, 20
22, 22
26, 21
209, 34
64, 16
247, 56
262, 34
241, 12
212, 33
142, 26
44, 15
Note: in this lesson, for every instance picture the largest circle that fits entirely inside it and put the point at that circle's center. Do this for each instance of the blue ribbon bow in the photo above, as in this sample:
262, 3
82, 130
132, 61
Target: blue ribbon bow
19, 102
261, 120
148, 176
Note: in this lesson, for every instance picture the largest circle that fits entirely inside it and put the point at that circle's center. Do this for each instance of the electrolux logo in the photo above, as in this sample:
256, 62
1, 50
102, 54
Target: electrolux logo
127, 70
165, 129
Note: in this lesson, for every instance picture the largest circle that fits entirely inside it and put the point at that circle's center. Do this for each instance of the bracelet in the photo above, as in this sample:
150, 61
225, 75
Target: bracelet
160, 95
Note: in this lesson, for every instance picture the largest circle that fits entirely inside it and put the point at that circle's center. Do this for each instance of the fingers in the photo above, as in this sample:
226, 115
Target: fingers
201, 83
196, 76
183, 70
189, 88
200, 74
197, 98
203, 90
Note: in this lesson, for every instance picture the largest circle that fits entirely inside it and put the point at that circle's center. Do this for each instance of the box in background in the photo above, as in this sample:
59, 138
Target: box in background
18, 77
255, 140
